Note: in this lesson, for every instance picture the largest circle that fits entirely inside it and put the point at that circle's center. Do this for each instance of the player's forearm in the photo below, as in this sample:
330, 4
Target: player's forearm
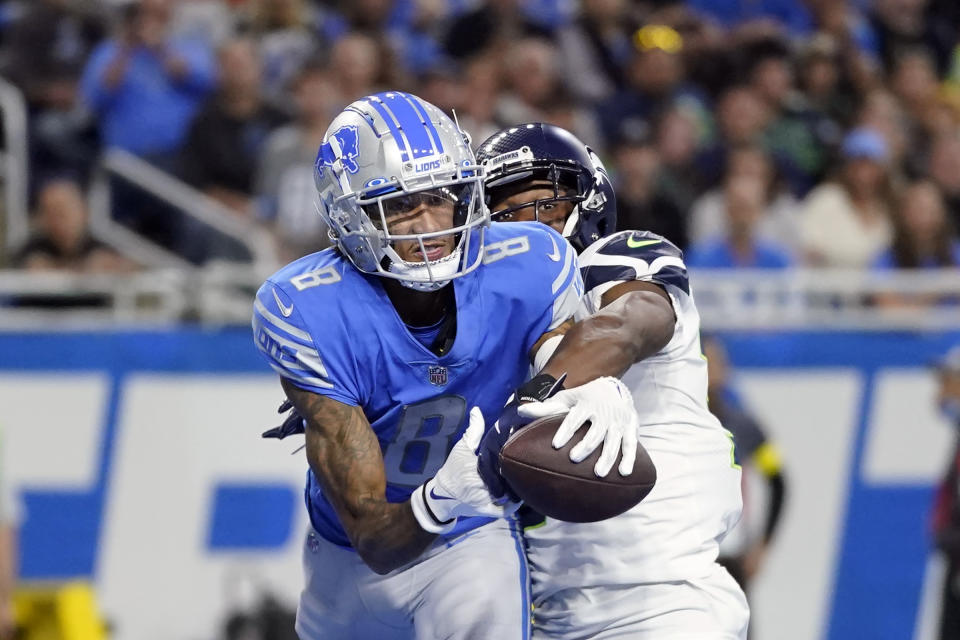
633, 327
345, 457
386, 535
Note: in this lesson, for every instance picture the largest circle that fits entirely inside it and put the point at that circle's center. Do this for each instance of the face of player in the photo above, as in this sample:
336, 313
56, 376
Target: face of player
418, 213
535, 203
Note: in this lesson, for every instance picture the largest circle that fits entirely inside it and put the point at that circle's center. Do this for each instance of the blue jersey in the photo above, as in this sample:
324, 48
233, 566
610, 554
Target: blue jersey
330, 329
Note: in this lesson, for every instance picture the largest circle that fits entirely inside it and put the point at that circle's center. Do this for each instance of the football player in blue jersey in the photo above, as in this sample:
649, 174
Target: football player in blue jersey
650, 573
398, 346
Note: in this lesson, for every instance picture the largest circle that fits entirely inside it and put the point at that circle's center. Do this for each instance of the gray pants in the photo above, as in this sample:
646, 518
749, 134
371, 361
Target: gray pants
471, 587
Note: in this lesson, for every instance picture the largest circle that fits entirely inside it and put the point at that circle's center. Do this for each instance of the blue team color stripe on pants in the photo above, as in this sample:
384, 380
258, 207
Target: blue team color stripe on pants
524, 575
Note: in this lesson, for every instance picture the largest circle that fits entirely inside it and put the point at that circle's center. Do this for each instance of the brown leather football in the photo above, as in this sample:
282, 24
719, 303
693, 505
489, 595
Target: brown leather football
549, 482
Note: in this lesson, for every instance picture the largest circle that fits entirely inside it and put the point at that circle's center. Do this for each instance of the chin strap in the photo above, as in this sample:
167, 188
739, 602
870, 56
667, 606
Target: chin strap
418, 277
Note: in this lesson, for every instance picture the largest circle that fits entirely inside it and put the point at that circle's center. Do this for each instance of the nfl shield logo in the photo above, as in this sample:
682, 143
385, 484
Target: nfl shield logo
437, 375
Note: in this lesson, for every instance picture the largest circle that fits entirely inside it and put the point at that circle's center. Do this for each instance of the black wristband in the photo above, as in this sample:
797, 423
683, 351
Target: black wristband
538, 388
426, 504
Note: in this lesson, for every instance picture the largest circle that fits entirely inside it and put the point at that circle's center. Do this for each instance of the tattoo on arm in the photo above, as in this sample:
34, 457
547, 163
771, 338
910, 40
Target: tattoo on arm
344, 454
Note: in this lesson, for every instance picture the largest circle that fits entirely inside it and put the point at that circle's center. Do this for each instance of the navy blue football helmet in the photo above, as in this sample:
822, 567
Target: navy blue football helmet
537, 152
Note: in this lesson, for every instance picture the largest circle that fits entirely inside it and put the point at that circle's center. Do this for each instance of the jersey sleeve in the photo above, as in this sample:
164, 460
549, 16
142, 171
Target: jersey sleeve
284, 339
633, 255
561, 286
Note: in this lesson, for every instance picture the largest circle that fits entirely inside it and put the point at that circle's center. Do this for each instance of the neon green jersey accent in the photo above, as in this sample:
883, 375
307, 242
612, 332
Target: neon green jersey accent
636, 244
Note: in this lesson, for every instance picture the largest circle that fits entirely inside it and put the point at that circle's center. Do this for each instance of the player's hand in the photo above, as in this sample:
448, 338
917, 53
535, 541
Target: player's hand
292, 424
607, 404
538, 388
457, 490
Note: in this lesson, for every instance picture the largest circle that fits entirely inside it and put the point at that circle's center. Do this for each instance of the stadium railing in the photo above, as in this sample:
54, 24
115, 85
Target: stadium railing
222, 293
174, 192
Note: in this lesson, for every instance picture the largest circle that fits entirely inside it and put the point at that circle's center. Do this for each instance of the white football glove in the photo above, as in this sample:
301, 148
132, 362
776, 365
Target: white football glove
457, 490
607, 404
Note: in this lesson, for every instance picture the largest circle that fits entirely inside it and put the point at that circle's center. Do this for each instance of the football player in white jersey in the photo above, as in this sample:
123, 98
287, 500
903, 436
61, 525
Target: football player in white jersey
650, 572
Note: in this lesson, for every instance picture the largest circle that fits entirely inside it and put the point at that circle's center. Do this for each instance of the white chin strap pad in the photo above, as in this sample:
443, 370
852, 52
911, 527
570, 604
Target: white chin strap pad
417, 276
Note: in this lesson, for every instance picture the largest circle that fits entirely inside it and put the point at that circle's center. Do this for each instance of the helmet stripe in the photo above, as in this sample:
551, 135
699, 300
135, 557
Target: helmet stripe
411, 124
377, 104
434, 136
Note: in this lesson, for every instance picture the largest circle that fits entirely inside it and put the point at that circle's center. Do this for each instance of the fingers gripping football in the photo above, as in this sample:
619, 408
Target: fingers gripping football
607, 405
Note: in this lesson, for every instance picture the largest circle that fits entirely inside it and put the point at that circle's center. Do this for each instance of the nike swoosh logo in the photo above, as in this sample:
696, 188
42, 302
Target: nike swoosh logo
555, 256
436, 497
636, 244
284, 311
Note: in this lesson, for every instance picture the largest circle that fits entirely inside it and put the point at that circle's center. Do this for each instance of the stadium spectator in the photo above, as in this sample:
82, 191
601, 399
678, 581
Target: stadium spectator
881, 111
741, 245
145, 87
741, 118
655, 81
62, 240
708, 217
791, 14
227, 138
594, 50
790, 134
946, 510
210, 20
744, 549
902, 24
284, 33
9, 521
481, 88
285, 185
443, 85
829, 101
642, 203
923, 238
677, 137
846, 222
357, 67
534, 92
848, 27
489, 27
62, 135
944, 170
531, 70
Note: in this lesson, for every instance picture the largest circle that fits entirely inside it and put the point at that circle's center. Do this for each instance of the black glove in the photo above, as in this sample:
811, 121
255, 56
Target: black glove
536, 389
292, 425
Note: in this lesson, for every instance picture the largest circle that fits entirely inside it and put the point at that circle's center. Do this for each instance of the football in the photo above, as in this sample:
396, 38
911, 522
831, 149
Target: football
549, 482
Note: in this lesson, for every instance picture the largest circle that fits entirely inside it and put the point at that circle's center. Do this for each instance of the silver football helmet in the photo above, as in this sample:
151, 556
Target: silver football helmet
388, 153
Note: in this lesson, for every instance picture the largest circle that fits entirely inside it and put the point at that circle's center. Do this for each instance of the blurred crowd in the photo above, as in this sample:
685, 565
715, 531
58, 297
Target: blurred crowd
752, 133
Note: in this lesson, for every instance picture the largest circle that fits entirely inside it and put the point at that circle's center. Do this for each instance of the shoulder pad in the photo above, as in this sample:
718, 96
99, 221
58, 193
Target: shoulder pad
635, 255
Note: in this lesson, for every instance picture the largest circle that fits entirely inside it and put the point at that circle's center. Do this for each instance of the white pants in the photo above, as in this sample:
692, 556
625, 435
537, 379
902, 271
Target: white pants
472, 587
710, 608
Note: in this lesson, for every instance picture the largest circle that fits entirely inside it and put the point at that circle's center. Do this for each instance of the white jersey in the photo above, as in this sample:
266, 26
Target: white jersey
673, 535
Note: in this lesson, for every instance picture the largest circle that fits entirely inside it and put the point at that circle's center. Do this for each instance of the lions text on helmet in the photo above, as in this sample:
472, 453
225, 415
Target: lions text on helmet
401, 191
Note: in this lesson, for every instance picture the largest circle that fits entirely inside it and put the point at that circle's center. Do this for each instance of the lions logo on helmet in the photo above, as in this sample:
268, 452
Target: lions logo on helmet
346, 139
545, 152
389, 153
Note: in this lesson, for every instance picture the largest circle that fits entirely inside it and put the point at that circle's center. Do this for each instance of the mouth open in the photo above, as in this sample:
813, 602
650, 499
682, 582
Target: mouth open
435, 251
